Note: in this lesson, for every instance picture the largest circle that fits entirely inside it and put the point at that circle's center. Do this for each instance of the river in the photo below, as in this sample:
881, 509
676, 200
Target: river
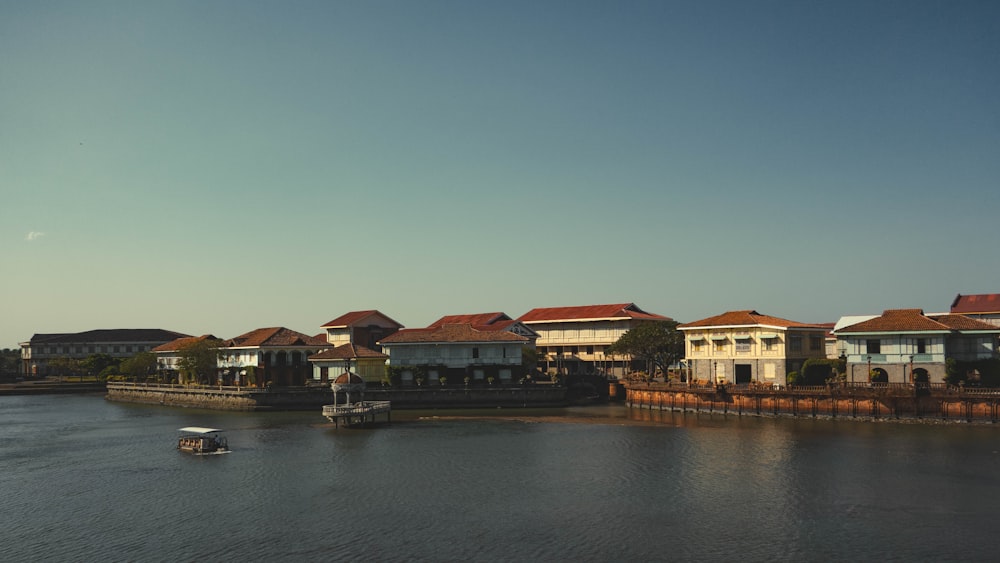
83, 479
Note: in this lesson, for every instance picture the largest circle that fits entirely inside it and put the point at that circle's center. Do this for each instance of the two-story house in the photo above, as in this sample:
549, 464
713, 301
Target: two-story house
746, 346
364, 328
454, 352
572, 340
274, 355
906, 346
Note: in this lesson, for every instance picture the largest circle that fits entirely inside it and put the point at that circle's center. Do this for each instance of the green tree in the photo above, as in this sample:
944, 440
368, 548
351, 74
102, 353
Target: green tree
199, 360
66, 366
96, 364
140, 365
529, 359
658, 343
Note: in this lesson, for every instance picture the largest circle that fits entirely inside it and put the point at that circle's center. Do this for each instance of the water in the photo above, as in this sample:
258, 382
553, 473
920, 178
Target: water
87, 480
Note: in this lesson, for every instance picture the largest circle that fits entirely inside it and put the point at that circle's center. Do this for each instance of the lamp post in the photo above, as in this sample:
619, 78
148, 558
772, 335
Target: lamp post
912, 379
869, 369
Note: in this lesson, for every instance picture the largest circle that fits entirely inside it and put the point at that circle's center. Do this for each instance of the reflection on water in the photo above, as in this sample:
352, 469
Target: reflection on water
84, 479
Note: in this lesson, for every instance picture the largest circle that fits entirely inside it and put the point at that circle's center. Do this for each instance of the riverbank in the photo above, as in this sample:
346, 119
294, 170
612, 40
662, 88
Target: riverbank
50, 387
866, 403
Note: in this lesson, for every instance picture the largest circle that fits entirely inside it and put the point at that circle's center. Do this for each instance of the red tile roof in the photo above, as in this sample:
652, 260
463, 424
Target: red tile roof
451, 333
347, 352
274, 336
478, 319
898, 320
961, 322
748, 317
614, 311
982, 303
355, 317
175, 345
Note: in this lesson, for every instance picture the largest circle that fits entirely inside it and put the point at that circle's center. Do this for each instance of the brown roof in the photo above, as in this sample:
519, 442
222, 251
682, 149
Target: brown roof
478, 319
110, 335
347, 352
898, 320
614, 311
354, 317
451, 333
349, 378
961, 322
748, 317
274, 336
982, 303
175, 345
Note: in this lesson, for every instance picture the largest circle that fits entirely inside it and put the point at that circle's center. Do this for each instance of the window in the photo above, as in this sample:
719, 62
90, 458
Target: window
770, 344
590, 350
720, 345
794, 343
696, 345
814, 343
743, 344
873, 346
921, 345
475, 352
574, 350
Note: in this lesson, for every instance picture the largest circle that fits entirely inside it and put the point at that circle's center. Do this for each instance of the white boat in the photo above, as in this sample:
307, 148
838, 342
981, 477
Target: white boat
202, 441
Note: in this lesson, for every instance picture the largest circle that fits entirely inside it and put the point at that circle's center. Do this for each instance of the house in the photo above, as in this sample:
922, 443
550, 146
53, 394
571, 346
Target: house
746, 346
168, 355
349, 358
572, 340
38, 353
906, 346
487, 322
454, 352
275, 355
365, 328
982, 307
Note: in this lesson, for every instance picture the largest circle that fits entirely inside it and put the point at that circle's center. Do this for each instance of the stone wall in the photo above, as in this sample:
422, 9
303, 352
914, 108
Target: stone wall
315, 398
860, 405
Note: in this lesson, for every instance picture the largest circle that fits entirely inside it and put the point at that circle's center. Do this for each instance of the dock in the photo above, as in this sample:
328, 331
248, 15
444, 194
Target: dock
357, 414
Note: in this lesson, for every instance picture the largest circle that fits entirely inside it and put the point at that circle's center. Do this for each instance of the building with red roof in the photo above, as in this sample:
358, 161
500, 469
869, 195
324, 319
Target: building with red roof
746, 346
572, 340
906, 345
364, 328
454, 352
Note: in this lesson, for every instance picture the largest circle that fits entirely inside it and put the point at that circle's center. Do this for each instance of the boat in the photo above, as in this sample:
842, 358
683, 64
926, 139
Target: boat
202, 441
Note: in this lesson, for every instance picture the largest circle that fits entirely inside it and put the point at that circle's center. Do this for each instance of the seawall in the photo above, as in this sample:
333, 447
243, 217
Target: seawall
875, 403
306, 398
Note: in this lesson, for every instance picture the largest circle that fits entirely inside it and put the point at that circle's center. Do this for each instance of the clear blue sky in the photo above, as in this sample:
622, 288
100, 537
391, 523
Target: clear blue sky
215, 167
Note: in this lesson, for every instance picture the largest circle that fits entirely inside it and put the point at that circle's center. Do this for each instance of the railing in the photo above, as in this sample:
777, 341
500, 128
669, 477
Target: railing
365, 407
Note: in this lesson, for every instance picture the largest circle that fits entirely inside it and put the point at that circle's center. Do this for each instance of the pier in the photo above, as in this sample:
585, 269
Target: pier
358, 414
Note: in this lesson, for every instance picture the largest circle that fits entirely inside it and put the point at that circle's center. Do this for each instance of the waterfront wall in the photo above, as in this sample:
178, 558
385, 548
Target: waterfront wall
244, 399
903, 402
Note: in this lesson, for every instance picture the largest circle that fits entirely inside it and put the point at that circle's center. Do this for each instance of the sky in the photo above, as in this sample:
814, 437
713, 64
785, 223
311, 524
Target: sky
217, 167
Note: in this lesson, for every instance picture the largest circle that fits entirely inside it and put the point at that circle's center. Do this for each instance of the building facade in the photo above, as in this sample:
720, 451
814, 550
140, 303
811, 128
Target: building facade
573, 340
745, 346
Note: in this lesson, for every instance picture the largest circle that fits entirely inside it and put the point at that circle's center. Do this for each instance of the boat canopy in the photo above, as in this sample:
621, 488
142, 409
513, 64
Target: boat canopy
199, 430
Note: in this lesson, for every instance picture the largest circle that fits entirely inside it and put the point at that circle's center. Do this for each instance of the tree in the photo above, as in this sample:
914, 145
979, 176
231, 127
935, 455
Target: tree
658, 343
199, 360
140, 365
96, 364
